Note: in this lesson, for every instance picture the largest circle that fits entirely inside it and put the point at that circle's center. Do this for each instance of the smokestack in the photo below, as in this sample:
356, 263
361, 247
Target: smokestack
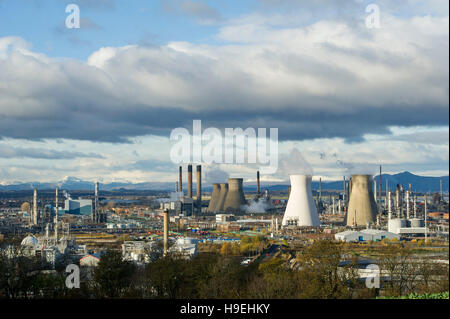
339, 207
397, 202
301, 209
334, 209
257, 183
408, 212
415, 206
35, 209
166, 230
189, 194
343, 194
235, 197
180, 178
362, 208
199, 189
320, 189
56, 205
389, 204
96, 213
215, 197
381, 187
222, 196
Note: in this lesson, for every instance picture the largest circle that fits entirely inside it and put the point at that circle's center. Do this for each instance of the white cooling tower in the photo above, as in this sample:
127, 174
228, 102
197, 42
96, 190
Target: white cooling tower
301, 209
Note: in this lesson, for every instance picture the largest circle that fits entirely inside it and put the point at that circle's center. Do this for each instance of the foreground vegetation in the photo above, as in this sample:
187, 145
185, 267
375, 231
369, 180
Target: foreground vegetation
442, 295
219, 274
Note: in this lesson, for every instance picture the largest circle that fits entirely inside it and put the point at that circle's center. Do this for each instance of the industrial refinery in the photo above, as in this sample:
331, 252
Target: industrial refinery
260, 150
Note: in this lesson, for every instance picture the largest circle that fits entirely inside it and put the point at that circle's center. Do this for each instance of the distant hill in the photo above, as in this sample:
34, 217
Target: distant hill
419, 183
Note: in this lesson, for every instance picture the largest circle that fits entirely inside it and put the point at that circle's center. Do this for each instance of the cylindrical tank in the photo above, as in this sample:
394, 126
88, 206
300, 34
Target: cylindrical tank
222, 196
395, 224
301, 207
417, 223
214, 198
235, 196
362, 208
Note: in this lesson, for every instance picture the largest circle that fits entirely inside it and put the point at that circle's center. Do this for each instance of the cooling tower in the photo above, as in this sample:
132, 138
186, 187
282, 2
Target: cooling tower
301, 209
362, 208
215, 196
222, 196
235, 196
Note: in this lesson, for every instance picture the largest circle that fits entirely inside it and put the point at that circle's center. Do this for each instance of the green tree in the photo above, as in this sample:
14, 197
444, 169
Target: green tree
113, 277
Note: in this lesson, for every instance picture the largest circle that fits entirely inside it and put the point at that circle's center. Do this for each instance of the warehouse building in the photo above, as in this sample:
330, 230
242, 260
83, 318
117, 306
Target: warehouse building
365, 235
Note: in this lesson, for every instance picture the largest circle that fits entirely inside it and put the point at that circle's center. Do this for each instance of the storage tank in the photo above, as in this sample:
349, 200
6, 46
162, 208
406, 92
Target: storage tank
214, 198
417, 222
362, 208
301, 208
235, 196
395, 224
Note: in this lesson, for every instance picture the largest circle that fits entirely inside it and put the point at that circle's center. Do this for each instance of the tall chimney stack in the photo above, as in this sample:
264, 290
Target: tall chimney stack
408, 211
166, 230
189, 194
35, 210
381, 188
257, 183
180, 178
56, 205
389, 204
96, 212
320, 189
397, 202
199, 189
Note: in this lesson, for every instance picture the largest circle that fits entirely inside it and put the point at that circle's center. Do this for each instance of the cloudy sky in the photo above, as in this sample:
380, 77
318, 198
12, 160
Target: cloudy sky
100, 102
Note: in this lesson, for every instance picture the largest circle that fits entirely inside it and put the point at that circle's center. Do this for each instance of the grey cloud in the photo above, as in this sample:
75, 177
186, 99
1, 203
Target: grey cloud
434, 138
7, 151
135, 91
199, 10
151, 165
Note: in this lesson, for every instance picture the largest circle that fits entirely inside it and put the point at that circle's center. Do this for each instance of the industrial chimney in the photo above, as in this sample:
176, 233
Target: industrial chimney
235, 196
166, 230
222, 196
199, 189
301, 209
215, 197
95, 212
35, 217
56, 205
258, 190
189, 194
180, 179
362, 208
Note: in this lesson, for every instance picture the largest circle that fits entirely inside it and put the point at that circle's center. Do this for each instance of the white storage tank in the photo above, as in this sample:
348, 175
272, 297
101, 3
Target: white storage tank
395, 224
417, 223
